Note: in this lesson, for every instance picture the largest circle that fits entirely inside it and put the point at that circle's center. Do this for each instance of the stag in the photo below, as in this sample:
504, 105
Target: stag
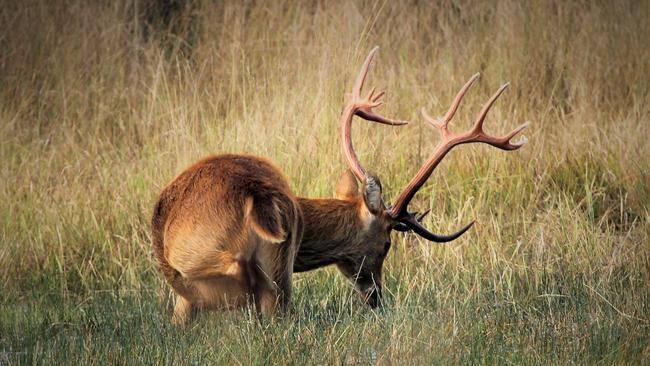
228, 231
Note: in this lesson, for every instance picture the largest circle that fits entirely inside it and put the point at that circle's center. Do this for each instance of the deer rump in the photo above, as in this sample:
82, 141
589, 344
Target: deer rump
226, 232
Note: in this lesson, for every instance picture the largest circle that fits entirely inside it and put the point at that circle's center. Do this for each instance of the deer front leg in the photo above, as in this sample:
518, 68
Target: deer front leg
183, 311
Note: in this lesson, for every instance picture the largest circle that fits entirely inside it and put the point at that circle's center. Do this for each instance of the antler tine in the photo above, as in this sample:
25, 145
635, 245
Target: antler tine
361, 78
478, 125
515, 145
502, 142
419, 229
442, 124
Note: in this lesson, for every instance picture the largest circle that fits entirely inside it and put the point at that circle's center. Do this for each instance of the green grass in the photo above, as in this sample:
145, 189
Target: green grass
95, 120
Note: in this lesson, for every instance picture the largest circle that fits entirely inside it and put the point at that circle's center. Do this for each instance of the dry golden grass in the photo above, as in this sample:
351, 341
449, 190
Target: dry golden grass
95, 118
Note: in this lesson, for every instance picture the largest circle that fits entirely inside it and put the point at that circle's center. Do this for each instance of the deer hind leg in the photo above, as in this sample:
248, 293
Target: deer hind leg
276, 226
217, 282
245, 284
274, 269
274, 297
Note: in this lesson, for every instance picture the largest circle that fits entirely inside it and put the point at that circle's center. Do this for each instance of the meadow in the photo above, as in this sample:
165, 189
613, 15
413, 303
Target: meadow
103, 103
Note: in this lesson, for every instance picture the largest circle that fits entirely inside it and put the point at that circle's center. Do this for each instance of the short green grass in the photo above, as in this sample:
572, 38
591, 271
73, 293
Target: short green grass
95, 119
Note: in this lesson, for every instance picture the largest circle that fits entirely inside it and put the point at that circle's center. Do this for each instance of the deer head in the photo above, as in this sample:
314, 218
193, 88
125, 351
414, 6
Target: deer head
364, 230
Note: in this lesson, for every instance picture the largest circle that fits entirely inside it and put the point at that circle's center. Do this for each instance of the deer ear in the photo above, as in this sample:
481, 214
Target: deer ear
372, 194
347, 187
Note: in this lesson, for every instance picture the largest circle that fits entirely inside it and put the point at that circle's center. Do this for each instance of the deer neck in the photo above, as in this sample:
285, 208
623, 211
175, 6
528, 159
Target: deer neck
332, 231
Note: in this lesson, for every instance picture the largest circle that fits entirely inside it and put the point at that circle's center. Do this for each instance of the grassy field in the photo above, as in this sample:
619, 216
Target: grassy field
99, 112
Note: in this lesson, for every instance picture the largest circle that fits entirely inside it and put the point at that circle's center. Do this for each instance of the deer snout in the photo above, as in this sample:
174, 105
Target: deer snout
374, 298
371, 295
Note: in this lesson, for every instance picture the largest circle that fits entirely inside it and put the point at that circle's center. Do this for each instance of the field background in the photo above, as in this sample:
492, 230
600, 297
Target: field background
103, 103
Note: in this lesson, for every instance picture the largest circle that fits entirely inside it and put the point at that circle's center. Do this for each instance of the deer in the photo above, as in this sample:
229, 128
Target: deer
228, 231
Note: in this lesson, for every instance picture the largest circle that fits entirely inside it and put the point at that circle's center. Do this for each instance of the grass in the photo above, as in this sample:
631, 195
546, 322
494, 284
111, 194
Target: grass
96, 117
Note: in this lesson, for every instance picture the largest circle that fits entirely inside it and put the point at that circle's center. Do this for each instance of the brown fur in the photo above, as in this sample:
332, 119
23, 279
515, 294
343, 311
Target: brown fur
225, 232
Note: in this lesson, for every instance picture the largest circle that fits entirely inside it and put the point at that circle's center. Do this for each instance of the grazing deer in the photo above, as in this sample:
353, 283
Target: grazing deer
228, 230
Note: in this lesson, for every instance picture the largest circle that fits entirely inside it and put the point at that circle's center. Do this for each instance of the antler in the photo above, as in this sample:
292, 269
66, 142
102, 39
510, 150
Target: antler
361, 107
399, 210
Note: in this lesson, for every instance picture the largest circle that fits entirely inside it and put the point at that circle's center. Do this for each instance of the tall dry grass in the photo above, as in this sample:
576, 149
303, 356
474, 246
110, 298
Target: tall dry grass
96, 115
